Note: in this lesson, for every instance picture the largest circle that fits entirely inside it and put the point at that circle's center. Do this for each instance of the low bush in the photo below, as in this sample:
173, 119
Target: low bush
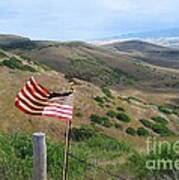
104, 121
107, 92
165, 110
123, 117
162, 130
118, 126
120, 108
159, 119
157, 128
131, 131
111, 113
146, 123
15, 63
142, 132
99, 99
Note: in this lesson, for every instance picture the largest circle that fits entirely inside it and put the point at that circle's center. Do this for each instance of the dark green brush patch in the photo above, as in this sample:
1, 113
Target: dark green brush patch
146, 123
174, 108
2, 55
107, 92
135, 99
123, 117
159, 119
99, 99
102, 100
104, 121
120, 108
14, 63
142, 132
169, 109
165, 110
131, 131
162, 130
111, 113
118, 126
158, 128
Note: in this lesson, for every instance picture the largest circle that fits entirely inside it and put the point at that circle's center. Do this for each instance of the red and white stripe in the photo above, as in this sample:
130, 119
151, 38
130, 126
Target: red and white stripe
34, 99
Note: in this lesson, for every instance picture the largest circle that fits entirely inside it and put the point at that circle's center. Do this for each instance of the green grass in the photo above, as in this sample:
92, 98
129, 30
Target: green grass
88, 146
82, 133
136, 163
16, 156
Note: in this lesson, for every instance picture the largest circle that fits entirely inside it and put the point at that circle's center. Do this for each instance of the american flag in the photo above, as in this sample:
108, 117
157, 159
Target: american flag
34, 99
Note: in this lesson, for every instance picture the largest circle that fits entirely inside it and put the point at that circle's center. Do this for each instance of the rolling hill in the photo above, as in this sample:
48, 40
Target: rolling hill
120, 100
147, 52
145, 65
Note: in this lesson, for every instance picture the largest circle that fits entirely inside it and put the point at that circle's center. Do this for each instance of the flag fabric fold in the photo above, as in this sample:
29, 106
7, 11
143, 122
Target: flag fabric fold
34, 99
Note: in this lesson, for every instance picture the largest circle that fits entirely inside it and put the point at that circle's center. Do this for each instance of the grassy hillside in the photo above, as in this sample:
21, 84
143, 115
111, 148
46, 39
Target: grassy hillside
100, 66
147, 52
113, 114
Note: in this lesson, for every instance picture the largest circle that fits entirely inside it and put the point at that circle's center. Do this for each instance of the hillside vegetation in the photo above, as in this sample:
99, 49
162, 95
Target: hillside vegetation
119, 103
147, 52
136, 63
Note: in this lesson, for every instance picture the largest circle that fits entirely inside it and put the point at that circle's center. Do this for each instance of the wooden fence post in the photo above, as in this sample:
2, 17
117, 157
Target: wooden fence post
39, 157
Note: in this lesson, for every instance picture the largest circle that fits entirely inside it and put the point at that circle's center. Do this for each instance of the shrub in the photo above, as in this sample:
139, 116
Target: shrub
107, 92
15, 63
123, 117
81, 134
157, 128
120, 108
162, 130
142, 132
104, 121
165, 109
105, 99
146, 123
159, 119
99, 99
118, 126
111, 113
2, 55
176, 112
130, 131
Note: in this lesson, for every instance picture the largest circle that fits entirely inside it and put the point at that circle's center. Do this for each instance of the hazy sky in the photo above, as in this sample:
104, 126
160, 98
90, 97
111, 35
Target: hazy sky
85, 19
